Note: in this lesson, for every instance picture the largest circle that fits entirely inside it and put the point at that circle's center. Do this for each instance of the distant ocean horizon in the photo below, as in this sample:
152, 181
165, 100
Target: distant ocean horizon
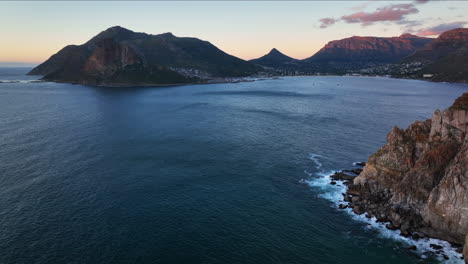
216, 173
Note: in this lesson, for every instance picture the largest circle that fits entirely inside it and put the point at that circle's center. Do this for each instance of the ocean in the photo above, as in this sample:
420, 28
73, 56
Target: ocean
218, 173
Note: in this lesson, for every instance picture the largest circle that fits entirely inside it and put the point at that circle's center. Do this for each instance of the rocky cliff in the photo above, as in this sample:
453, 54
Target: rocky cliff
418, 180
370, 49
354, 53
448, 42
445, 58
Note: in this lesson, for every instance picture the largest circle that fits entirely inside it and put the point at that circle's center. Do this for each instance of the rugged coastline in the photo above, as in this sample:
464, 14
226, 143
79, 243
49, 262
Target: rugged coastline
418, 181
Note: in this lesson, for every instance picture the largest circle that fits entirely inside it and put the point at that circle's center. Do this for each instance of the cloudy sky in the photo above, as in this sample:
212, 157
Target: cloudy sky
33, 31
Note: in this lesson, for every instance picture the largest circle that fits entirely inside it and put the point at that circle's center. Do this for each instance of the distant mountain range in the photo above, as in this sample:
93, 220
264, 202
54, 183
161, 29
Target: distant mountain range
340, 56
118, 56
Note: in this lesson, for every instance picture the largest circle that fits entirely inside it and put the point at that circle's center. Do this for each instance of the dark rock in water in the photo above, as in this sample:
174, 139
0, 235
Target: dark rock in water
340, 176
347, 198
342, 206
362, 164
333, 182
445, 257
415, 236
382, 219
434, 246
358, 210
368, 216
357, 171
413, 247
405, 227
405, 234
391, 227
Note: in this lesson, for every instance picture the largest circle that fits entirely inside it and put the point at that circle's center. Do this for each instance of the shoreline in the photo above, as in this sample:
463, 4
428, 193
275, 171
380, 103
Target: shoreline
234, 80
337, 183
120, 85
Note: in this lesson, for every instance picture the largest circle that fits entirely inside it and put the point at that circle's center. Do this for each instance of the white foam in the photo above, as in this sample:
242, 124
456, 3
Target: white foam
333, 193
315, 158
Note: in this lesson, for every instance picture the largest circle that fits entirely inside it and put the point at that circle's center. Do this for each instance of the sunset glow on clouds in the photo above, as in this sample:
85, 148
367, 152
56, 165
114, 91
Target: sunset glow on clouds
388, 13
436, 30
397, 13
33, 31
392, 12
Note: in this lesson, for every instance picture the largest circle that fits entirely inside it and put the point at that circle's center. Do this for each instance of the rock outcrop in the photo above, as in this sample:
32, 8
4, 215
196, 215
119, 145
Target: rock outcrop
418, 180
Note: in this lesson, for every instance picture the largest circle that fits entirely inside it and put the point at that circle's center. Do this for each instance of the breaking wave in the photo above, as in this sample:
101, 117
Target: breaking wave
320, 181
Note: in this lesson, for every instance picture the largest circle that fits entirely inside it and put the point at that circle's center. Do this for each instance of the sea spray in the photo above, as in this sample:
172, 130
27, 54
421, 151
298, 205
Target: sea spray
321, 179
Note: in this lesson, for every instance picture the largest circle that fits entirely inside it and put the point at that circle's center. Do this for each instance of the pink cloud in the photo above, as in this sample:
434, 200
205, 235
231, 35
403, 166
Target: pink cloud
326, 22
395, 12
437, 30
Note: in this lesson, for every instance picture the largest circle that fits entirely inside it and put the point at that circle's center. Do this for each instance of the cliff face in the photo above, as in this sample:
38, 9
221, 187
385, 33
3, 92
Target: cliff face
419, 179
448, 42
446, 58
375, 49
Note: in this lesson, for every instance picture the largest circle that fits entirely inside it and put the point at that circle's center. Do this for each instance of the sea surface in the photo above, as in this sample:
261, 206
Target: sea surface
219, 173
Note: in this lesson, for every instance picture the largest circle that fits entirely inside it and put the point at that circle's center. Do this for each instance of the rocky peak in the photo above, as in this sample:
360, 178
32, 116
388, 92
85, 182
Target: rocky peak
461, 103
275, 58
117, 29
407, 35
116, 33
455, 34
167, 35
274, 51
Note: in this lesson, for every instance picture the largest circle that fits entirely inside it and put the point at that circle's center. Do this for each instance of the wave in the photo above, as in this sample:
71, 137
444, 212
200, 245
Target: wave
315, 158
19, 81
321, 181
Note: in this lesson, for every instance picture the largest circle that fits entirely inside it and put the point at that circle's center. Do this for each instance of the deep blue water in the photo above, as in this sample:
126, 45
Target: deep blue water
195, 174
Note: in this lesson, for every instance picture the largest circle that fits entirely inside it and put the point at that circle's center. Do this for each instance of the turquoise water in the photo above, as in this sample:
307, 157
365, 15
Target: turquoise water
221, 173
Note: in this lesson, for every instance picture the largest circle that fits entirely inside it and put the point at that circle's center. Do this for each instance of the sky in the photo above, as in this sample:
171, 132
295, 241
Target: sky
33, 31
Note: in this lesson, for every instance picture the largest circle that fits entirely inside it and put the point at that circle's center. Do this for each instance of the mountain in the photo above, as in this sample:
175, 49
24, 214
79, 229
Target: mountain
418, 180
276, 59
118, 56
448, 42
360, 52
446, 57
